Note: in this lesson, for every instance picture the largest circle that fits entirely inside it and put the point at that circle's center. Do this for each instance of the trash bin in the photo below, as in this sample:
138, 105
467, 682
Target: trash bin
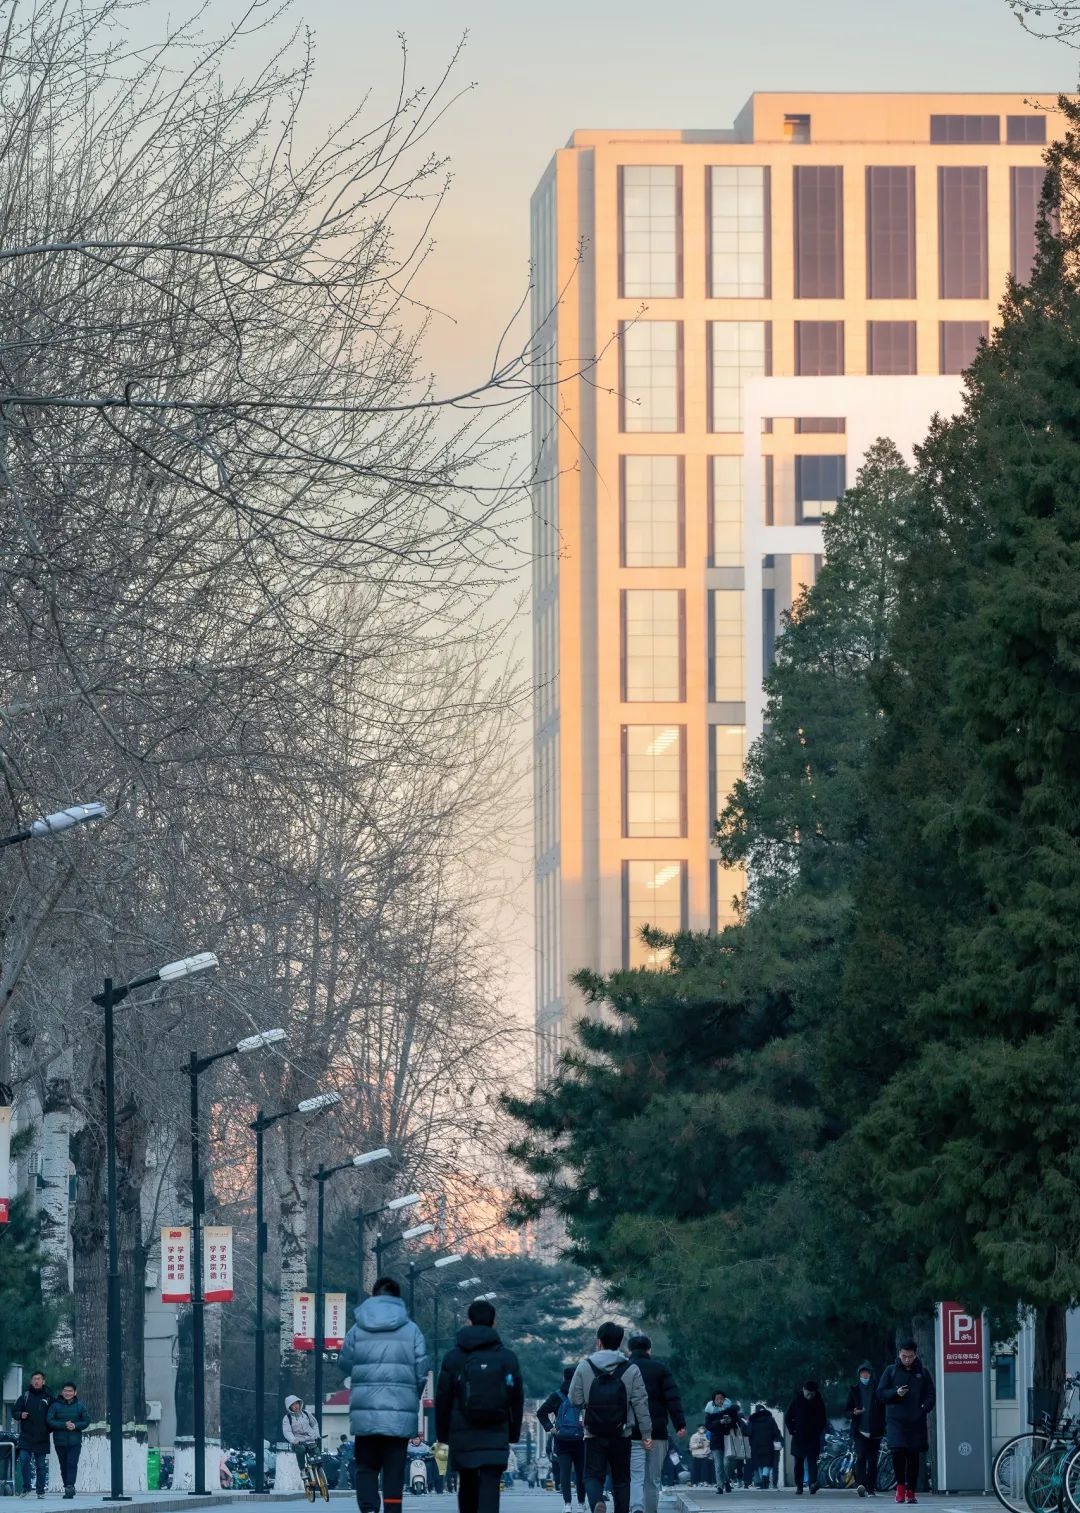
153, 1470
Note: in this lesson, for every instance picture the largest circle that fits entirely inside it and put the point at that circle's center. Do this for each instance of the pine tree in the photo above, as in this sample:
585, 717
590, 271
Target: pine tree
26, 1322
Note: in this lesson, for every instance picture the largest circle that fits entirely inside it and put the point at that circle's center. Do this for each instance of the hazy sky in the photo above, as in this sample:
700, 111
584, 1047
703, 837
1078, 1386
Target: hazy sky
543, 67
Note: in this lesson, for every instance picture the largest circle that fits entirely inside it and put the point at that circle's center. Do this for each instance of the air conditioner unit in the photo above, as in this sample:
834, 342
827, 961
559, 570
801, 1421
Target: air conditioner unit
153, 1413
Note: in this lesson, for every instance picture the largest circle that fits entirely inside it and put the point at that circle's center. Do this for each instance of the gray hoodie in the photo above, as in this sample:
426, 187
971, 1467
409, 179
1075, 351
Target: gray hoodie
385, 1358
636, 1396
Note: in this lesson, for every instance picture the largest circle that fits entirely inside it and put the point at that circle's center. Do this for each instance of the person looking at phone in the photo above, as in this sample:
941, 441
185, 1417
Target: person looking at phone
907, 1390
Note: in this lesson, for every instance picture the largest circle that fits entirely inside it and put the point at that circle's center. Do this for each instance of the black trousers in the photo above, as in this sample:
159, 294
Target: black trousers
906, 1463
478, 1489
604, 1458
867, 1452
68, 1456
809, 1458
377, 1453
570, 1454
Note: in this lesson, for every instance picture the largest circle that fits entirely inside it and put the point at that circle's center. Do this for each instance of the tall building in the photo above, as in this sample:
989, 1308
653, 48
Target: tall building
825, 237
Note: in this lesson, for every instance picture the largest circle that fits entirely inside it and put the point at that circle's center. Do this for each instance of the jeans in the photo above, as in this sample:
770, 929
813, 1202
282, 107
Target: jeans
645, 1469
375, 1453
68, 1456
478, 1489
604, 1457
570, 1454
867, 1451
809, 1458
31, 1461
719, 1469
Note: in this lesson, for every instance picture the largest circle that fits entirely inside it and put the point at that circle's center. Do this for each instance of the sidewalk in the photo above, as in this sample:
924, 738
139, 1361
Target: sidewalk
784, 1500
154, 1502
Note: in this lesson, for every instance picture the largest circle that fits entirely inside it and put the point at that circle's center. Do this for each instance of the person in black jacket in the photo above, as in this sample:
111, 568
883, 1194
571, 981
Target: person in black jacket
31, 1415
479, 1405
867, 1414
558, 1412
907, 1390
646, 1466
806, 1422
764, 1435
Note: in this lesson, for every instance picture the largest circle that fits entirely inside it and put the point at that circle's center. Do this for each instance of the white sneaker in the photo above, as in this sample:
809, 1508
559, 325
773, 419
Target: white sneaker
567, 1508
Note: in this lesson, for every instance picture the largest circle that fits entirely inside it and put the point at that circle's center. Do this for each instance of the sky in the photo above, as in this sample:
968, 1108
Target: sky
539, 69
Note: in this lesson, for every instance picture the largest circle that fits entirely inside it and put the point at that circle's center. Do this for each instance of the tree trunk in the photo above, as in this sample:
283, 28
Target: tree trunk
185, 1374
53, 1210
287, 1167
89, 1243
1048, 1370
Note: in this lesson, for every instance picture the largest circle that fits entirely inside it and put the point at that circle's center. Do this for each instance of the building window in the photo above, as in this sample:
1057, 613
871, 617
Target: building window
959, 342
1005, 1378
1025, 192
962, 253
650, 203
654, 781
728, 887
726, 512
819, 348
739, 233
727, 682
651, 375
653, 646
1028, 129
727, 757
738, 350
890, 346
819, 483
797, 128
652, 512
965, 128
654, 893
819, 233
890, 233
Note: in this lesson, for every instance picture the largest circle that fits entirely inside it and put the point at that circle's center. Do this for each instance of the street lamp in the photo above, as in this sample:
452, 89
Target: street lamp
196, 1066
260, 1124
110, 995
415, 1233
55, 824
418, 1271
322, 1176
410, 1200
437, 1307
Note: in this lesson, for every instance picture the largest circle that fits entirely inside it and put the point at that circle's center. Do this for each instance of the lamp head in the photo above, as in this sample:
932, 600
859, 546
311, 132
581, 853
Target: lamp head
256, 1042
369, 1156
470, 1282
417, 1230
320, 1100
187, 966
67, 819
409, 1201
448, 1261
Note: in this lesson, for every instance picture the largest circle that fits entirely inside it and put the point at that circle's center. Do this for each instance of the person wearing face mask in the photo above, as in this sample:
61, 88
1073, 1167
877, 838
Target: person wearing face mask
907, 1390
806, 1422
867, 1414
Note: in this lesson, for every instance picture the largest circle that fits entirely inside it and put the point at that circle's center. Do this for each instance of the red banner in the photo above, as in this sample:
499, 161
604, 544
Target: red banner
5, 1162
961, 1339
218, 1263
303, 1313
334, 1305
176, 1264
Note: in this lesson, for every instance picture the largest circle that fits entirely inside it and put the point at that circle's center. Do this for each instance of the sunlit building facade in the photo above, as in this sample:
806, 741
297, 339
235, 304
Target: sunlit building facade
824, 235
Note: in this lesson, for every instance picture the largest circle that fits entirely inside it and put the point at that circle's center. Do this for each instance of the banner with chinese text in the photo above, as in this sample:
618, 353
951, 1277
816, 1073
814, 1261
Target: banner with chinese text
303, 1314
218, 1263
5, 1163
334, 1320
176, 1264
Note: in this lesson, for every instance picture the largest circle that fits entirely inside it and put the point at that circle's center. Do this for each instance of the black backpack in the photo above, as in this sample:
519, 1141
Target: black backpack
483, 1391
607, 1410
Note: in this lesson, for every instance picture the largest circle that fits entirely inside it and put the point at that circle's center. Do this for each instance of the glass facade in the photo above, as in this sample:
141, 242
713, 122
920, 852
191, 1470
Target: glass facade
726, 511
890, 233
890, 346
654, 781
653, 646
649, 224
651, 352
727, 682
654, 893
819, 233
738, 350
652, 512
958, 343
819, 483
727, 885
1025, 192
962, 244
727, 757
739, 233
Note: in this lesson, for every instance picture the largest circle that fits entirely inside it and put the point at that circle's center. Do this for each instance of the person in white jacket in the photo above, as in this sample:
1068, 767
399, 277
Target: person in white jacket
300, 1428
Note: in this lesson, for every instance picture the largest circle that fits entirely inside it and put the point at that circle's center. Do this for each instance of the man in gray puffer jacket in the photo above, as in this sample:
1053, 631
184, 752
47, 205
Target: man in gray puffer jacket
385, 1360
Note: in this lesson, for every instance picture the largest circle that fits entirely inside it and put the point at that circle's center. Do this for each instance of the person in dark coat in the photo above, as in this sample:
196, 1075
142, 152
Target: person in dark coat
568, 1449
867, 1414
907, 1391
646, 1466
764, 1435
479, 1371
806, 1422
31, 1415
68, 1420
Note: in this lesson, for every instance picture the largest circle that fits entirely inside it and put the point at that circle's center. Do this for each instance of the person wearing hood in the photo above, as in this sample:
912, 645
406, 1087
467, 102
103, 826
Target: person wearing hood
907, 1391
479, 1406
806, 1422
300, 1429
31, 1415
764, 1436
384, 1359
867, 1414
612, 1392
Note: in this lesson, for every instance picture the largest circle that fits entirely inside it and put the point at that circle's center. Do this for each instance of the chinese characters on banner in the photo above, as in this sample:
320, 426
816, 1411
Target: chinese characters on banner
333, 1320
176, 1265
961, 1339
5, 1162
303, 1314
217, 1263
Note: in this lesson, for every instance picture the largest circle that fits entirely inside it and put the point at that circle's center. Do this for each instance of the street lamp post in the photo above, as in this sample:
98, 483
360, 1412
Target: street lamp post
111, 995
322, 1176
56, 824
196, 1066
437, 1305
382, 1246
418, 1271
362, 1219
260, 1124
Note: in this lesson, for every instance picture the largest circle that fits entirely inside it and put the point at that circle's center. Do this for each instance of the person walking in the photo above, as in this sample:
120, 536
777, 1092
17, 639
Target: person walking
611, 1391
558, 1416
763, 1436
700, 1455
440, 1453
479, 1406
719, 1418
737, 1458
646, 1466
300, 1429
867, 1414
31, 1415
68, 1418
907, 1391
384, 1359
806, 1422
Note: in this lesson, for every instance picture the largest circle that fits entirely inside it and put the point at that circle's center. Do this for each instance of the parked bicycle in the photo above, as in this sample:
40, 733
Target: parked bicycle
1050, 1443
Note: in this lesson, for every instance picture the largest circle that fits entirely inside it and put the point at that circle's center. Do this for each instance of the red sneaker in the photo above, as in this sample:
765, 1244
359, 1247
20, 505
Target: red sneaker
901, 1494
909, 1496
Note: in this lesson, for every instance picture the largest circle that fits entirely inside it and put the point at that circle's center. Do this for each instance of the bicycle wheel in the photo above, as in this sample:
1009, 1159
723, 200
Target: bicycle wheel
1072, 1480
309, 1485
886, 1472
1011, 1466
1042, 1484
321, 1482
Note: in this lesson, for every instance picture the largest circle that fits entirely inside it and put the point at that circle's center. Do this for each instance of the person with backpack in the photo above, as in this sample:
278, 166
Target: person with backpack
31, 1415
611, 1390
68, 1420
558, 1416
479, 1406
646, 1466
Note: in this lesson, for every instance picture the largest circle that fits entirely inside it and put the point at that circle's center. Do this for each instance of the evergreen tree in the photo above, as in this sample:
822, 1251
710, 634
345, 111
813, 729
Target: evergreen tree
26, 1322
